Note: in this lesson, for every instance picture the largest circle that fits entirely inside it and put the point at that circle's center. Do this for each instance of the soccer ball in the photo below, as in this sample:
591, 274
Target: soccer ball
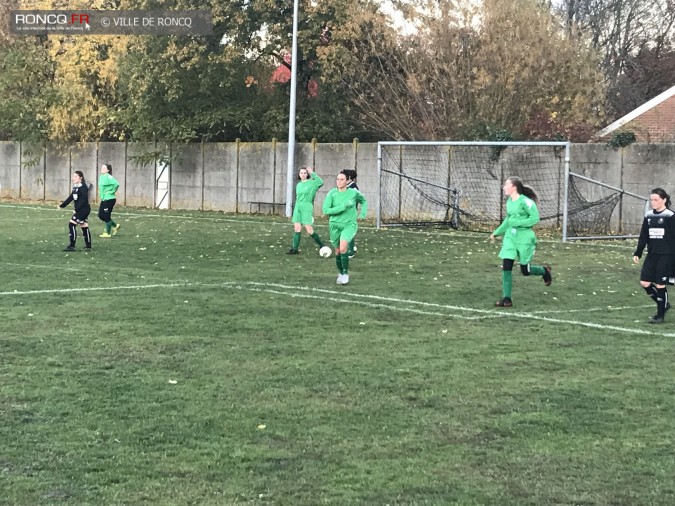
325, 252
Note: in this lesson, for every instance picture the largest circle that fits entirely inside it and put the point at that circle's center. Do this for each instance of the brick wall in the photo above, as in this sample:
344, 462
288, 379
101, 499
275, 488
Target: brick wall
656, 125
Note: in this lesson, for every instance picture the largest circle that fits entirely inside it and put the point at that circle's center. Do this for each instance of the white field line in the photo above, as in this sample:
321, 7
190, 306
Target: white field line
454, 234
507, 312
611, 309
95, 289
306, 292
363, 303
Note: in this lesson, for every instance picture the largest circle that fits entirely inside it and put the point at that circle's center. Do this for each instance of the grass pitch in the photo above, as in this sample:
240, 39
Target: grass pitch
189, 360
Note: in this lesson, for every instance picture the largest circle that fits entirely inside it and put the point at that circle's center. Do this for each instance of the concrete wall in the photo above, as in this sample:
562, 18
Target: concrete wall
231, 177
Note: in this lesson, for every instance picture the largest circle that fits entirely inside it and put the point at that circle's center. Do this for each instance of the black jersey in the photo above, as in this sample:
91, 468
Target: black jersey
80, 196
657, 233
353, 185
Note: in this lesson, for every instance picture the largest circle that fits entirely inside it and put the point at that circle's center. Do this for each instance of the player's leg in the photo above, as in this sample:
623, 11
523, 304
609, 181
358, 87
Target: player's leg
335, 231
526, 252
72, 234
86, 233
348, 234
352, 249
507, 283
661, 275
314, 235
508, 254
114, 227
297, 228
104, 216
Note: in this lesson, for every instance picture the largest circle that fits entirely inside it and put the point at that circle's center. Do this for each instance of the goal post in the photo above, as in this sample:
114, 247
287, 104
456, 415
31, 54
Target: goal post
458, 184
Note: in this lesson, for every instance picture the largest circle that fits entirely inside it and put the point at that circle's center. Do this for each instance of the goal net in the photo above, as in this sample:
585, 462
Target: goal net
459, 185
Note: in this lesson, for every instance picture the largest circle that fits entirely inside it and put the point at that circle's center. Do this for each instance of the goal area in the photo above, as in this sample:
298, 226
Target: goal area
459, 185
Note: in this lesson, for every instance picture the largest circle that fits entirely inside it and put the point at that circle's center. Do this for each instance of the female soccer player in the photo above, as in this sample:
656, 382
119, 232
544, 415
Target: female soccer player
519, 239
303, 212
658, 234
340, 206
79, 195
107, 186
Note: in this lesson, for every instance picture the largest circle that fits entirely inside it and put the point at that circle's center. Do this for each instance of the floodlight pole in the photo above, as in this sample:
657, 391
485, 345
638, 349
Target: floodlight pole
290, 169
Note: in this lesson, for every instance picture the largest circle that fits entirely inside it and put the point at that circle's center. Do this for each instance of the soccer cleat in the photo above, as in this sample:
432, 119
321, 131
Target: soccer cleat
345, 279
69, 248
115, 229
87, 248
105, 235
351, 254
548, 279
656, 319
292, 251
505, 302
339, 279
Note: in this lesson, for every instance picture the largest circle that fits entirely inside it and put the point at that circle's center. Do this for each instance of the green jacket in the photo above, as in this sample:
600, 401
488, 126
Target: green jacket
341, 205
107, 186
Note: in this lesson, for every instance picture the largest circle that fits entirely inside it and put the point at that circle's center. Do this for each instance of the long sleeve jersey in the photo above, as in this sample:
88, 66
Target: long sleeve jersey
305, 191
80, 196
341, 205
657, 233
107, 186
521, 214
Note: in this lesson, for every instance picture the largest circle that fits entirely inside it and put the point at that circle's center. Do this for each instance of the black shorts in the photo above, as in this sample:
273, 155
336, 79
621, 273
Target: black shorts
80, 216
659, 269
105, 209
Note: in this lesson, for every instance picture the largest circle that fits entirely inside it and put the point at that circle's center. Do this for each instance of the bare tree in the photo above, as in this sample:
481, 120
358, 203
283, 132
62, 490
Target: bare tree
465, 71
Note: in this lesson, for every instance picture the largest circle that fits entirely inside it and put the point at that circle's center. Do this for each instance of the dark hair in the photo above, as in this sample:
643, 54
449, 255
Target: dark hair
79, 173
350, 173
522, 189
304, 167
661, 193
109, 167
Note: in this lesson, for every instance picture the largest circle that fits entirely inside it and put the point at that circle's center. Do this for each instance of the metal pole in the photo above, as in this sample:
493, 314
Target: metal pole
290, 169
567, 192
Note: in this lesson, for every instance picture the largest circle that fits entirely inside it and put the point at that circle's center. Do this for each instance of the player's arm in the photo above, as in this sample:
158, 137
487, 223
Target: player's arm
501, 229
530, 218
642, 240
316, 180
115, 184
67, 201
364, 204
330, 207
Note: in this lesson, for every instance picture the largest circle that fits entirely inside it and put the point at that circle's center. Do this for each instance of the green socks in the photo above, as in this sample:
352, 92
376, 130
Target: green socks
108, 226
536, 270
338, 263
345, 263
507, 283
296, 240
317, 239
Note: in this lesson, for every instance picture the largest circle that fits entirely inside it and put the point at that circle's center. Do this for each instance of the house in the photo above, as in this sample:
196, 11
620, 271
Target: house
652, 122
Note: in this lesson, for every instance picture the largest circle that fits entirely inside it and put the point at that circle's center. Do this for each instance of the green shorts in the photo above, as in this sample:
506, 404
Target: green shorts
341, 232
520, 245
303, 213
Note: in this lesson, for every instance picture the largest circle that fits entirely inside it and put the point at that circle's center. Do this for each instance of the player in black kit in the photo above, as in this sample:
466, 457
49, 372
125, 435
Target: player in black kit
658, 234
80, 196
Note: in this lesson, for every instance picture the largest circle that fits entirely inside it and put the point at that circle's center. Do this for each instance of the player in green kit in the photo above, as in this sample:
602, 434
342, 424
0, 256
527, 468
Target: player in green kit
340, 206
519, 238
303, 212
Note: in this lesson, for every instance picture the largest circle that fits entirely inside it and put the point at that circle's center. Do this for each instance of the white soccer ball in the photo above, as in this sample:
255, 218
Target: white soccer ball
325, 252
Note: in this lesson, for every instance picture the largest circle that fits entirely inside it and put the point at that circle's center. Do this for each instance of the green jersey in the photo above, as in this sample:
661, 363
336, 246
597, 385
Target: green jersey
521, 215
305, 191
341, 205
107, 186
